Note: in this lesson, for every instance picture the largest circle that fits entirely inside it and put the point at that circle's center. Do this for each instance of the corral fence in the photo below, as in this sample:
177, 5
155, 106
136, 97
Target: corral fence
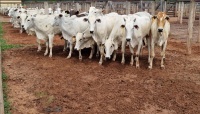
172, 7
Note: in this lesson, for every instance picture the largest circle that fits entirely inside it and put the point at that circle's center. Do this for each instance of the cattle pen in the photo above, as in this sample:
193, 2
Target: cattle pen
38, 84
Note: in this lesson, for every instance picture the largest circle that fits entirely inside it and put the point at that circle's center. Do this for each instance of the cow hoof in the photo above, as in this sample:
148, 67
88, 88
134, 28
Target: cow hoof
100, 63
90, 57
45, 54
123, 62
80, 58
162, 67
131, 63
38, 50
68, 57
113, 59
150, 67
50, 56
137, 66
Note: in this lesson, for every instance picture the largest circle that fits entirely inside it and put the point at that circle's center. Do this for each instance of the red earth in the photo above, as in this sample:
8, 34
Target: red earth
38, 84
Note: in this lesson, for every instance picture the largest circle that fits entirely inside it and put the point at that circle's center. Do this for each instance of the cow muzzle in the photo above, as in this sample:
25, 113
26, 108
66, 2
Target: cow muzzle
160, 30
91, 32
107, 58
128, 40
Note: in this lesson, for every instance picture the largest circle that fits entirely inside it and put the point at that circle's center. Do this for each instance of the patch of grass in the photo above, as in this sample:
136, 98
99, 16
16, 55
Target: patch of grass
5, 46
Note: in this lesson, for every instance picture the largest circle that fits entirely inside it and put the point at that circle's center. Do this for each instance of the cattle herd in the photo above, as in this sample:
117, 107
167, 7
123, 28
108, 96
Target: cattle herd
108, 32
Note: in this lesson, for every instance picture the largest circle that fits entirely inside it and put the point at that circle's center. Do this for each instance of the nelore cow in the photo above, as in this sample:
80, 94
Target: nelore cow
100, 27
85, 42
70, 26
160, 29
137, 29
43, 30
116, 39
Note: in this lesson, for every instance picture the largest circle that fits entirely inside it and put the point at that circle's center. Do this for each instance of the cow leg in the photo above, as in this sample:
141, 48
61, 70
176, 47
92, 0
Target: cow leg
80, 55
114, 55
132, 52
149, 49
138, 53
39, 46
21, 30
91, 52
101, 48
65, 45
51, 36
163, 54
47, 47
123, 51
152, 54
70, 50
97, 54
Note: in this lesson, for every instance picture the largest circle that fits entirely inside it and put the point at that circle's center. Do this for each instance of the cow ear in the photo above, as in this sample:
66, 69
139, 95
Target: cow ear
167, 17
60, 15
122, 26
98, 20
154, 17
77, 12
85, 19
67, 12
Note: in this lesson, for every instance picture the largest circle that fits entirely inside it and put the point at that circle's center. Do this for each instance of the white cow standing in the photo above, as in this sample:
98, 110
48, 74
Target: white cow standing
137, 28
100, 27
70, 26
116, 38
43, 29
85, 42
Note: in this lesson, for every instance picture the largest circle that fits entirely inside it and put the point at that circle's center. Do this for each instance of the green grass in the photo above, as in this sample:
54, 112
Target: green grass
5, 46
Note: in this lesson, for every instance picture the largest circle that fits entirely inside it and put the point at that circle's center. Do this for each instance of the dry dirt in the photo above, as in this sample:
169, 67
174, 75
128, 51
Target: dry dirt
42, 85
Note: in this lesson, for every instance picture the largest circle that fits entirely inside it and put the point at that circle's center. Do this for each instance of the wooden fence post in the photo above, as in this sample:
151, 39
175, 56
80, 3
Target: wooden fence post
141, 5
165, 6
153, 5
1, 87
195, 6
179, 10
46, 6
190, 25
199, 30
128, 6
182, 10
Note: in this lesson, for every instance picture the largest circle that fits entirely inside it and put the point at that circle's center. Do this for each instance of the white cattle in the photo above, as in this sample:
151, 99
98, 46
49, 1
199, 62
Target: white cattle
70, 26
43, 29
137, 28
116, 38
100, 27
84, 42
160, 29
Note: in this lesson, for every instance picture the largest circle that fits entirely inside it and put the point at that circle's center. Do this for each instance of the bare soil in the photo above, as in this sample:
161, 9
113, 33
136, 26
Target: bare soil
42, 85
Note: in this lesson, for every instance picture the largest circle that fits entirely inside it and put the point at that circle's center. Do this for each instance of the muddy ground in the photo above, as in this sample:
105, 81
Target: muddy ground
38, 84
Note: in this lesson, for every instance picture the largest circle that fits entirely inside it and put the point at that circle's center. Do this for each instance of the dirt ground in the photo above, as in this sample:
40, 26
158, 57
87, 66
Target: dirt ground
42, 85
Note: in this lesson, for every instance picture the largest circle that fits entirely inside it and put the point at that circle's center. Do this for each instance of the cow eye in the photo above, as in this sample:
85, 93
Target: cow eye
85, 19
18, 17
167, 18
80, 40
136, 26
28, 20
122, 26
98, 20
